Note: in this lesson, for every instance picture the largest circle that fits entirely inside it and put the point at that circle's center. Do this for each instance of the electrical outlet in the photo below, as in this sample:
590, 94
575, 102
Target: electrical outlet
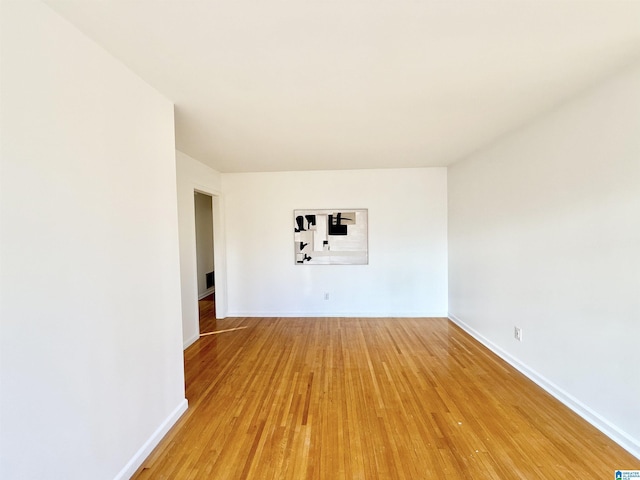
517, 333
326, 296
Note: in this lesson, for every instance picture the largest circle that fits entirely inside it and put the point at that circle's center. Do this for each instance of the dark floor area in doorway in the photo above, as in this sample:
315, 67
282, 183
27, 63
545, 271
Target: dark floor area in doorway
207, 309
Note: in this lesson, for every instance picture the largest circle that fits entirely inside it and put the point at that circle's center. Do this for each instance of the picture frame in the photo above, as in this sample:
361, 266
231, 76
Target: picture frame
331, 236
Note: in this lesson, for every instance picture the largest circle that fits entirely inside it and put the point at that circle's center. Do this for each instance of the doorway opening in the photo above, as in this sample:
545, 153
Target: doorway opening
205, 259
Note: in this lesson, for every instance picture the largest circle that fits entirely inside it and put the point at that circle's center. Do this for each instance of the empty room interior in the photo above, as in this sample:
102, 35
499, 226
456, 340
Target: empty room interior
424, 250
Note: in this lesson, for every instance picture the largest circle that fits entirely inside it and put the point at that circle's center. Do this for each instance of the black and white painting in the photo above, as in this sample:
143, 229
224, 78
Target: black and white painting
331, 237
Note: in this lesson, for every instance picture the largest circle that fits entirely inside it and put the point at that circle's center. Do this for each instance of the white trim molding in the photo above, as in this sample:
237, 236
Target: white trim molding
153, 441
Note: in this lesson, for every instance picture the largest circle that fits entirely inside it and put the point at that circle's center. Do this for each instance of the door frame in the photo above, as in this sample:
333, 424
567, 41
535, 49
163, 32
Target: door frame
219, 256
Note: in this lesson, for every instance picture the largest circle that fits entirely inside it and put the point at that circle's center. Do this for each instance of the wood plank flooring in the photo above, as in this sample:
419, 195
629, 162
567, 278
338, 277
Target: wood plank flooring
207, 314
346, 398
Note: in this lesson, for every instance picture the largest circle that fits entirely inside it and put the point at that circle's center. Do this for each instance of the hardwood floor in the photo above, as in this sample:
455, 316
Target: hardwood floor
345, 398
207, 311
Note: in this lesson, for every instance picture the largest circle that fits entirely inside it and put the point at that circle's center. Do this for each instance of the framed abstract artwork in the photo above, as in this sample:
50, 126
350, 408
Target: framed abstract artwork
331, 237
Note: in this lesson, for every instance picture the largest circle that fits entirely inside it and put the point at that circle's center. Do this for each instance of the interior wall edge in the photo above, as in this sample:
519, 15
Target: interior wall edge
190, 341
153, 441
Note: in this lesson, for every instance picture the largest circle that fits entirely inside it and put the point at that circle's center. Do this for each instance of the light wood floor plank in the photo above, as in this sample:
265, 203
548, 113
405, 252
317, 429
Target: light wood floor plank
346, 398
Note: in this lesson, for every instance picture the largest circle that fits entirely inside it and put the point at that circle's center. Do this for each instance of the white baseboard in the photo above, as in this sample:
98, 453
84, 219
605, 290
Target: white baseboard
153, 441
190, 341
340, 314
207, 292
632, 445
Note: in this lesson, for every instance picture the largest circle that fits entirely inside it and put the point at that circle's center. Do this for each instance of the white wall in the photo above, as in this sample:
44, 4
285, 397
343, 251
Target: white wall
91, 353
544, 233
204, 239
195, 176
407, 271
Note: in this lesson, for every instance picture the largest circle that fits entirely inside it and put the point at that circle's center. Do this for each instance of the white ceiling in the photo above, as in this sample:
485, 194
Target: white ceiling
327, 84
